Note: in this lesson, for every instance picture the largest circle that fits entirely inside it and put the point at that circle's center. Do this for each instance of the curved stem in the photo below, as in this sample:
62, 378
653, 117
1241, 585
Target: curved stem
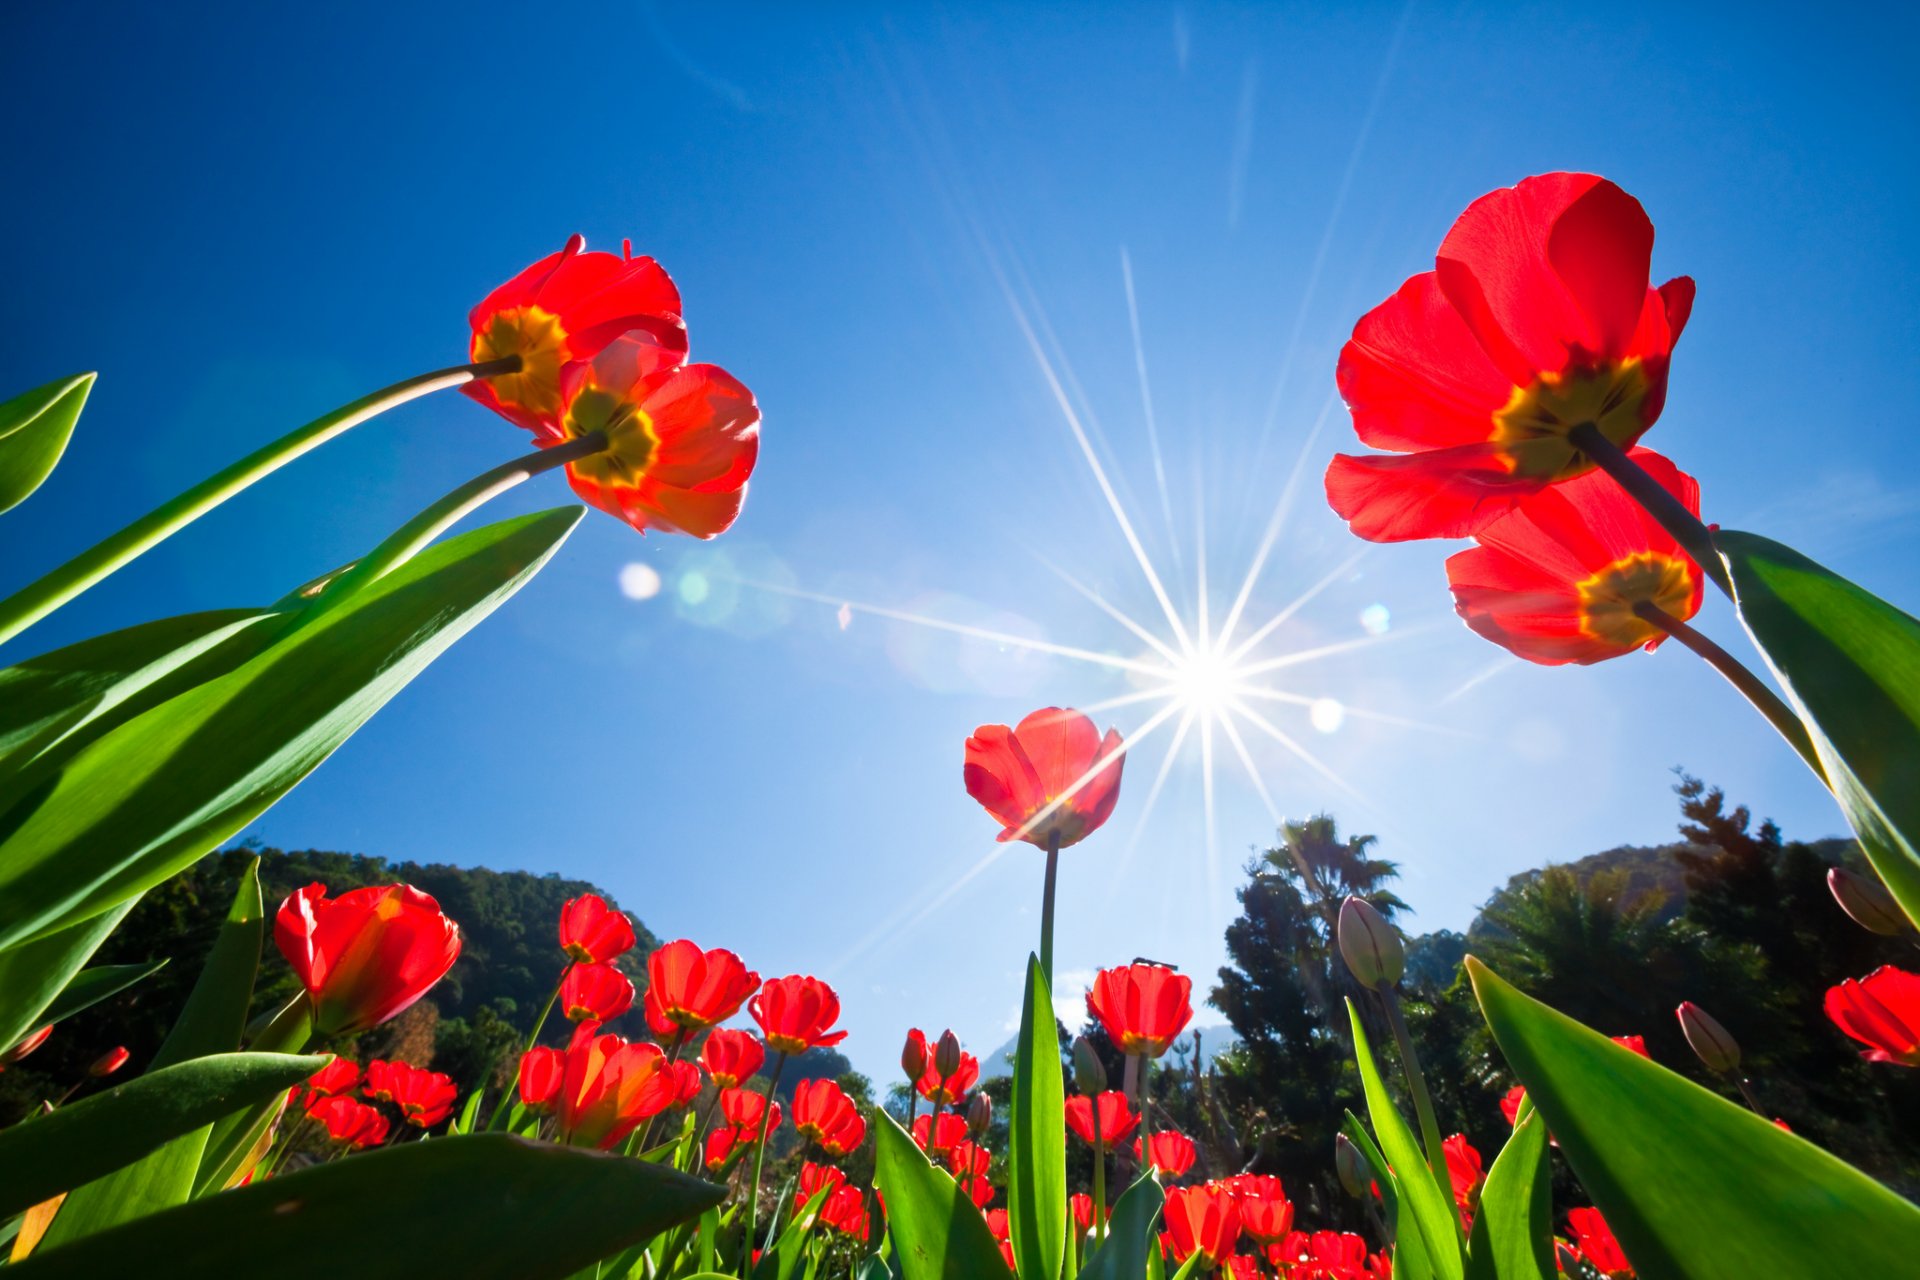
1416, 1083
1673, 516
37, 599
1764, 700
759, 1158
1753, 1100
1046, 907
533, 1038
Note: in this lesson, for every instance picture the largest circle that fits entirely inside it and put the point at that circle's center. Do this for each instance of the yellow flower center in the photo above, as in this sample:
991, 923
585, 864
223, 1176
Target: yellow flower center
629, 431
534, 334
1534, 425
1608, 597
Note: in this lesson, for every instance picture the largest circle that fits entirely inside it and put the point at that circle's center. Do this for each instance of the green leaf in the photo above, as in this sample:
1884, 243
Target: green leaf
1421, 1197
938, 1231
34, 429
482, 1207
1850, 665
49, 1154
469, 1114
1037, 1142
1409, 1255
1513, 1232
1693, 1185
778, 1262
1130, 1234
32, 977
91, 986
143, 800
210, 1023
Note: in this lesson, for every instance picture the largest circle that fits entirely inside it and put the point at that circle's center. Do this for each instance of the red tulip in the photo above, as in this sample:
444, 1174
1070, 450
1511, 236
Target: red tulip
952, 1130
350, 1122
20, 1050
686, 1082
1558, 579
797, 1013
744, 1109
1635, 1044
1597, 1244
1510, 1103
731, 1057
946, 1090
542, 1070
969, 1163
1203, 1220
1464, 1171
689, 989
1054, 758
593, 932
595, 993
845, 1210
720, 1147
1536, 320
824, 1113
1243, 1266
1144, 1007
424, 1097
567, 307
610, 1087
681, 439
1081, 1205
1881, 1011
815, 1178
999, 1224
913, 1054
1266, 1214
339, 1076
1117, 1118
1173, 1153
109, 1062
364, 956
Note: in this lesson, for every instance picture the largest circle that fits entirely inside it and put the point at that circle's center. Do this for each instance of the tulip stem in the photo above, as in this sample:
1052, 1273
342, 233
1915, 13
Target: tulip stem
759, 1158
1687, 529
406, 542
1416, 1083
1099, 1178
1046, 906
1146, 1125
1765, 700
37, 599
533, 1038
1753, 1100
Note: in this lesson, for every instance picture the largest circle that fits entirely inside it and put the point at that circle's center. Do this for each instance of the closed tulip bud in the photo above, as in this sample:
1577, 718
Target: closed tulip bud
1352, 1167
979, 1116
1710, 1041
26, 1046
946, 1054
913, 1054
1867, 901
109, 1062
1371, 947
1089, 1076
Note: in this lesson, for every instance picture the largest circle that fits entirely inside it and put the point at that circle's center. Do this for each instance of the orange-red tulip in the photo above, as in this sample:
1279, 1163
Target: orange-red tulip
815, 1178
823, 1112
797, 1013
731, 1057
1172, 1153
1881, 1011
1020, 773
1537, 319
1117, 1118
1203, 1220
595, 993
946, 1090
109, 1062
364, 956
689, 989
350, 1121
1597, 1246
845, 1211
913, 1054
1465, 1172
744, 1109
952, 1129
593, 932
26, 1046
610, 1087
424, 1097
542, 1070
1266, 1215
687, 1082
1144, 1007
720, 1146
339, 1076
564, 308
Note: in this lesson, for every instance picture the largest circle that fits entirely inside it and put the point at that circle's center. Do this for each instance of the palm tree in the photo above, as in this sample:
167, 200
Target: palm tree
1324, 871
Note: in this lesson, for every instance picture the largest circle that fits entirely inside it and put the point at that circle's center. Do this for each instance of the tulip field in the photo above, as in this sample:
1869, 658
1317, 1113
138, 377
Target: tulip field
1505, 397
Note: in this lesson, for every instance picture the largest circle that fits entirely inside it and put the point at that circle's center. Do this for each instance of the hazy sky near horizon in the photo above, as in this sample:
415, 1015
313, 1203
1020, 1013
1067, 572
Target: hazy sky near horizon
917, 235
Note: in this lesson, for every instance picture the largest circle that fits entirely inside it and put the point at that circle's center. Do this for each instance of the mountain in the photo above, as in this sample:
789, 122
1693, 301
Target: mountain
1214, 1041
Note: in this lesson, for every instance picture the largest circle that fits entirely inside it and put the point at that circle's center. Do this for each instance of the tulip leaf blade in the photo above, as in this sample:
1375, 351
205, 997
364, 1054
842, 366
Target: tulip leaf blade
1691, 1184
1512, 1236
1849, 663
778, 1261
1129, 1233
92, 985
136, 804
92, 1137
34, 429
1409, 1255
33, 977
1037, 1143
1421, 1197
937, 1231
483, 1206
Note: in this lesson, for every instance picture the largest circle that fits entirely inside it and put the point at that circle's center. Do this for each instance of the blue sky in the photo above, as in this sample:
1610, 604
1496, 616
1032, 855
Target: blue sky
244, 220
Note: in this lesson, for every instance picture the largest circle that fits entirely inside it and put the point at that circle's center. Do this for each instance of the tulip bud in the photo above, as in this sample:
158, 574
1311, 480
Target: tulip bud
109, 1062
1351, 1166
913, 1055
1867, 901
1371, 947
979, 1116
1089, 1076
1710, 1041
26, 1046
946, 1055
